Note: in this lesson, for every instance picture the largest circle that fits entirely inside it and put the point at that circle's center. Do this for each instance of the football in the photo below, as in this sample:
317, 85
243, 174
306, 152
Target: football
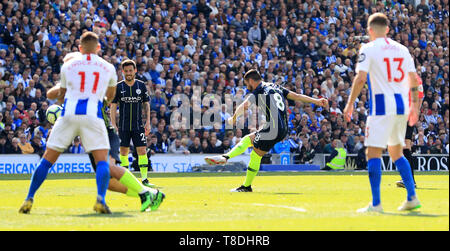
53, 113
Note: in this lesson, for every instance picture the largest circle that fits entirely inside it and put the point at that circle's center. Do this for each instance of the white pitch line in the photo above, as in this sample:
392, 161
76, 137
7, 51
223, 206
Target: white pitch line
298, 209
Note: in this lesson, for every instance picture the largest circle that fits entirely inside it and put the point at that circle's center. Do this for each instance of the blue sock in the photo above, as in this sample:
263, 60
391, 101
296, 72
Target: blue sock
374, 168
38, 177
102, 177
404, 168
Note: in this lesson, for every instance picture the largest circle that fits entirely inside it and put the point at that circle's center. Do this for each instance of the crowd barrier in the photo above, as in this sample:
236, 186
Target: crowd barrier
421, 162
79, 163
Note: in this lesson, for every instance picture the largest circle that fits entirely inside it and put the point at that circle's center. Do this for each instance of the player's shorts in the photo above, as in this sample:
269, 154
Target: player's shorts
138, 137
91, 130
265, 139
409, 132
388, 130
113, 152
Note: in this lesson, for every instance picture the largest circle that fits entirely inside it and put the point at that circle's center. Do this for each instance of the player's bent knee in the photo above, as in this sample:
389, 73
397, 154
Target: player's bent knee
252, 137
373, 152
141, 150
116, 171
100, 155
51, 155
395, 152
124, 151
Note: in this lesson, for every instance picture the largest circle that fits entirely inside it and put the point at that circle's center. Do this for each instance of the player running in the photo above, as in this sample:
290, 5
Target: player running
392, 75
85, 81
130, 95
271, 100
122, 180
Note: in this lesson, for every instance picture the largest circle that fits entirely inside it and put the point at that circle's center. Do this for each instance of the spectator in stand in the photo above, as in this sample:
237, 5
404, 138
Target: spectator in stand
24, 145
178, 147
14, 147
196, 146
3, 145
76, 146
282, 147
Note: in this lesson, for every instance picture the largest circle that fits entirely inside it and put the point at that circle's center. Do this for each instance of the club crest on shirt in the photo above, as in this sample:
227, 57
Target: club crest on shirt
361, 57
138, 91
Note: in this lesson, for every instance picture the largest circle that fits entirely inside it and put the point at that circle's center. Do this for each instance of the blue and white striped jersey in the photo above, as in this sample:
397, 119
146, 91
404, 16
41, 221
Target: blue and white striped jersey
86, 78
387, 63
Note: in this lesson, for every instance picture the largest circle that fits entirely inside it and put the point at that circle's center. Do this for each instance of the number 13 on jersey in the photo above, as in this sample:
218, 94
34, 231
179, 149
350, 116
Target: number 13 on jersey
399, 68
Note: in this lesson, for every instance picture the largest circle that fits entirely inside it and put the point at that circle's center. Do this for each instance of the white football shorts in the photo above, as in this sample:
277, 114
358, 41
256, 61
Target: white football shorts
386, 130
91, 130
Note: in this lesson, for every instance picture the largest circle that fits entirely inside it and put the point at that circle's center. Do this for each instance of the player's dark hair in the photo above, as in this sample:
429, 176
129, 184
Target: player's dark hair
378, 19
128, 62
252, 74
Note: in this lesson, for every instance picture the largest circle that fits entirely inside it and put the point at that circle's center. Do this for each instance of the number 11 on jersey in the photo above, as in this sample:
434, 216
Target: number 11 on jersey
83, 81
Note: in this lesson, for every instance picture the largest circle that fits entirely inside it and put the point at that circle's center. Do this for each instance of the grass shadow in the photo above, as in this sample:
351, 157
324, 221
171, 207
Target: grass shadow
415, 214
429, 188
280, 193
113, 215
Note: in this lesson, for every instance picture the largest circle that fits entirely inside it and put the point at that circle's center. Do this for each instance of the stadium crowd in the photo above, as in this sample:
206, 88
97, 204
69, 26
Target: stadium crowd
307, 46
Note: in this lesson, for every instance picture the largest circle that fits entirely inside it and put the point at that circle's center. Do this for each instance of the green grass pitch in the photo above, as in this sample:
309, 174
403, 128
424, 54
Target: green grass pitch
201, 202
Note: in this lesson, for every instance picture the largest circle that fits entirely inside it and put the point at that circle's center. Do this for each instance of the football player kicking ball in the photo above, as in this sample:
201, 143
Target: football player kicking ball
387, 66
271, 100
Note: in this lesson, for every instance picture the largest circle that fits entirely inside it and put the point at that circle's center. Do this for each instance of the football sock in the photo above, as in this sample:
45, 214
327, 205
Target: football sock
143, 166
404, 168
253, 168
408, 156
38, 177
132, 193
124, 161
102, 177
239, 148
133, 184
374, 168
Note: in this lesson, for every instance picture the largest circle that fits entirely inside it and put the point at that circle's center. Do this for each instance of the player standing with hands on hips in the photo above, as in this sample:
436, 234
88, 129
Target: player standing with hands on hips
85, 81
390, 72
131, 94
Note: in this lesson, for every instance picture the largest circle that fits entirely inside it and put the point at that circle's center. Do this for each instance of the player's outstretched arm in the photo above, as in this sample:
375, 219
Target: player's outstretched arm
239, 111
303, 98
358, 84
56, 92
